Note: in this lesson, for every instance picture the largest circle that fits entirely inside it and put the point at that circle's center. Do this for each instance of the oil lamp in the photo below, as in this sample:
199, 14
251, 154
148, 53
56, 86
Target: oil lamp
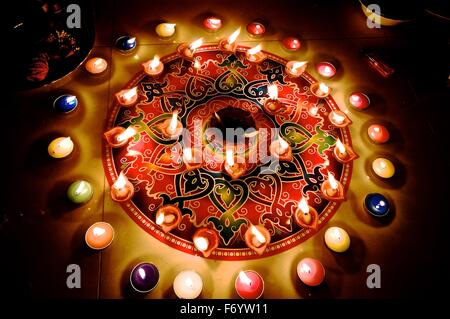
168, 217
229, 44
127, 97
343, 153
122, 189
306, 216
296, 68
255, 55
206, 240
257, 238
187, 51
332, 189
119, 136
153, 67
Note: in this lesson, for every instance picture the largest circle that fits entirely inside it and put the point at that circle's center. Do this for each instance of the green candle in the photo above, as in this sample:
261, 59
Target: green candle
80, 192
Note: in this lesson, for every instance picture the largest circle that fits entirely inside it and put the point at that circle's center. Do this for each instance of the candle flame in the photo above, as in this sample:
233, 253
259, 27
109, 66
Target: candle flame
64, 143
131, 40
254, 50
197, 64
324, 88
214, 21
80, 188
244, 278
327, 70
160, 218
130, 94
98, 231
142, 273
305, 269
283, 145
121, 181
169, 26
303, 206
230, 157
376, 129
154, 62
232, 38
336, 233
337, 118
259, 236
355, 98
297, 65
340, 146
273, 91
196, 44
201, 243
189, 282
125, 135
383, 164
187, 153
71, 98
173, 122
332, 181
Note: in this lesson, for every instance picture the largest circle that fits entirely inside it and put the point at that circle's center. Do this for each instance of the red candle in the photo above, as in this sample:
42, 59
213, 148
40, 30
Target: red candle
212, 23
359, 100
310, 271
378, 133
291, 43
249, 285
326, 69
256, 29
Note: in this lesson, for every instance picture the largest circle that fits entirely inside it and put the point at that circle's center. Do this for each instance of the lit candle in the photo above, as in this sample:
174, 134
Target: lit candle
249, 285
126, 44
311, 271
187, 51
127, 97
168, 217
188, 284
144, 277
281, 149
96, 65
305, 215
119, 136
296, 68
321, 90
378, 133
339, 119
190, 159
256, 29
272, 105
171, 128
383, 167
153, 67
255, 54
337, 239
332, 189
80, 192
359, 100
165, 30
212, 24
291, 43
60, 147
343, 152
122, 189
234, 168
257, 238
326, 69
229, 44
65, 103
99, 235
376, 205
206, 240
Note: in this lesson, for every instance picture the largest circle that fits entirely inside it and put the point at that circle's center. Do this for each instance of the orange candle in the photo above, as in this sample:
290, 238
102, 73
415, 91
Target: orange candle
99, 235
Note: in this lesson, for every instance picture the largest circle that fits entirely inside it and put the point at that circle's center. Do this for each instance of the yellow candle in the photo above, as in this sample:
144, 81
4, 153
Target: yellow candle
337, 239
96, 65
60, 147
383, 167
165, 30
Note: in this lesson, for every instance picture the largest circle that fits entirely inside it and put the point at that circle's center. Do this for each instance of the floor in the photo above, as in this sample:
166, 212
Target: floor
41, 234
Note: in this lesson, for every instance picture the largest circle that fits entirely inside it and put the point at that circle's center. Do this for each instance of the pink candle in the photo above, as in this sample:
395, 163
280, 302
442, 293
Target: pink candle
310, 271
249, 285
378, 133
326, 69
359, 100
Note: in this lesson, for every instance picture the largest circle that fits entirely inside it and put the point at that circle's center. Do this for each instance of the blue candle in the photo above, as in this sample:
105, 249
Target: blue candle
126, 43
144, 277
376, 204
65, 103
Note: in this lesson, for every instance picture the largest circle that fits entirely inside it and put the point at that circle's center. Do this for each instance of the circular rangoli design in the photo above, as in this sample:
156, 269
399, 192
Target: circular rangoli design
206, 196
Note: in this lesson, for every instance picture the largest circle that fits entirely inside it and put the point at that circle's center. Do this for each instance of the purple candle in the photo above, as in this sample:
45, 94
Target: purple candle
144, 277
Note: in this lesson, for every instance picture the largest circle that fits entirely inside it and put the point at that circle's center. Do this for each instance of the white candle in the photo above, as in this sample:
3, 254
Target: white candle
188, 284
165, 30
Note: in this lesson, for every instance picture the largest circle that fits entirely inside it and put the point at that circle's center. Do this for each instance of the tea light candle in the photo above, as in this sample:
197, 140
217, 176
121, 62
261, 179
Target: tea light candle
295, 68
188, 284
126, 44
311, 271
281, 149
206, 240
359, 100
65, 103
144, 277
165, 30
249, 285
127, 97
256, 29
376, 204
60, 147
168, 217
378, 133
212, 24
320, 90
337, 239
187, 51
119, 136
291, 43
383, 167
80, 192
122, 189
255, 54
153, 67
306, 216
229, 44
99, 235
96, 65
339, 119
326, 69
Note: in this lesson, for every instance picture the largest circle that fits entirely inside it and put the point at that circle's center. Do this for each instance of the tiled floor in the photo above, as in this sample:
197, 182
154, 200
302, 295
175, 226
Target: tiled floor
41, 234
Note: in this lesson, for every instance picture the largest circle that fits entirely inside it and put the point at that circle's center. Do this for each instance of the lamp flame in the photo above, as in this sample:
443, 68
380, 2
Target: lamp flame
130, 94
64, 143
160, 219
340, 146
120, 182
173, 123
283, 145
232, 38
196, 44
131, 40
272, 90
187, 154
98, 231
305, 269
189, 282
154, 62
298, 65
230, 157
254, 50
260, 237
324, 88
80, 188
332, 181
201, 243
303, 206
141, 273
244, 278
125, 135
337, 118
